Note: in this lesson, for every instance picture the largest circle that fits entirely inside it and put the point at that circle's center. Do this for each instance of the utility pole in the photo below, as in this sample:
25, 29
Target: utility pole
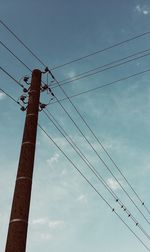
18, 225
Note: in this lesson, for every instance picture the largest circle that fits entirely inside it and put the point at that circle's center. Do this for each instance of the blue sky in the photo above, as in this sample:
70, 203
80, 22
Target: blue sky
66, 214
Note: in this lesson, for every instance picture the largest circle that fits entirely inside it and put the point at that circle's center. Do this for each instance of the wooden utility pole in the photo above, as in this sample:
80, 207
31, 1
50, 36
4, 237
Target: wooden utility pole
17, 231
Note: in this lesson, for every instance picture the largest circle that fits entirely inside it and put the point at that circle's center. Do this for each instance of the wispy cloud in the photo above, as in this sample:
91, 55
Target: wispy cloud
53, 159
71, 74
113, 184
46, 236
145, 10
46, 229
40, 221
116, 144
54, 224
82, 199
61, 142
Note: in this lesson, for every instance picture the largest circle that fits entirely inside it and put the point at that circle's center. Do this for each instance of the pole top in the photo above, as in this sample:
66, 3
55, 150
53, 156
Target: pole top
36, 71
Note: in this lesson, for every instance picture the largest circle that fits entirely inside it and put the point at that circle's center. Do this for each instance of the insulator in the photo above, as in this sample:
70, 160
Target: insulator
25, 90
45, 87
22, 97
42, 105
26, 79
46, 69
23, 108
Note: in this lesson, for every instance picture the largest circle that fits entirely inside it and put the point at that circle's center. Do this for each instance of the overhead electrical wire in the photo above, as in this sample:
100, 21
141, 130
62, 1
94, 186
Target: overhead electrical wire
33, 54
93, 187
109, 156
113, 210
86, 56
91, 71
101, 50
15, 55
78, 128
95, 152
6, 72
80, 58
93, 169
2, 90
104, 85
63, 82
59, 147
92, 147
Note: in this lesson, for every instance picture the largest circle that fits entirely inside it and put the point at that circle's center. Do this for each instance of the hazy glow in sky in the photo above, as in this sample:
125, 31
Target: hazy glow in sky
66, 214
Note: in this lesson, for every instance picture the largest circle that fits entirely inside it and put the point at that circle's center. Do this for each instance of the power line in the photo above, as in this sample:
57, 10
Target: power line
23, 44
91, 147
100, 51
85, 122
113, 210
80, 58
88, 73
33, 54
95, 150
105, 85
14, 55
9, 96
15, 58
56, 81
1, 68
76, 75
93, 169
72, 79
93, 187
102, 146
